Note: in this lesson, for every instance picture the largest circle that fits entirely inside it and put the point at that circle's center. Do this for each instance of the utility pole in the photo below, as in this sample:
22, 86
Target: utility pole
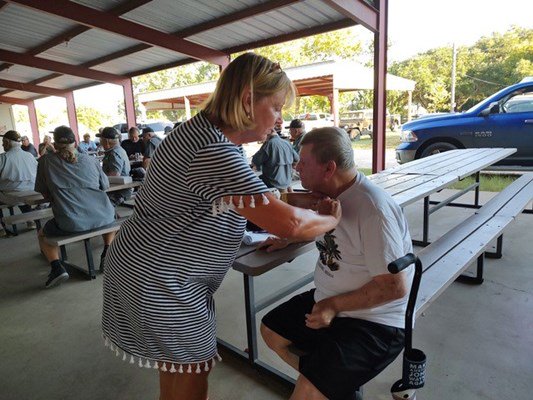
454, 65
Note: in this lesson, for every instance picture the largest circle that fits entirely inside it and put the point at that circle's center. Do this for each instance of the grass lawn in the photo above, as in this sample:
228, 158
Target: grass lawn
488, 183
392, 140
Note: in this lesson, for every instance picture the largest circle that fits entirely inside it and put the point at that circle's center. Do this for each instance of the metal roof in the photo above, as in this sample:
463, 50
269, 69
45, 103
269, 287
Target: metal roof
311, 79
126, 38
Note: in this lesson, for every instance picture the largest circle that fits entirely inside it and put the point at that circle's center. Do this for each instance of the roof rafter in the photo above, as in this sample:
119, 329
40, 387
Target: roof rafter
98, 19
14, 100
26, 87
358, 10
49, 65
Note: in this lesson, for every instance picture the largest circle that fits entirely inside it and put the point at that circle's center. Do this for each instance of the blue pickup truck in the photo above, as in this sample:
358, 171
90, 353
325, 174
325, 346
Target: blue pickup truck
504, 119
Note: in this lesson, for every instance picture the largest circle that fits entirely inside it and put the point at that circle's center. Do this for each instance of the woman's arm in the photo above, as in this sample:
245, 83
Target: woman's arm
285, 221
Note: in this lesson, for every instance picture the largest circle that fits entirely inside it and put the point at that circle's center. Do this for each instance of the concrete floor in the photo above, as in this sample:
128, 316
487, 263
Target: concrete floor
478, 339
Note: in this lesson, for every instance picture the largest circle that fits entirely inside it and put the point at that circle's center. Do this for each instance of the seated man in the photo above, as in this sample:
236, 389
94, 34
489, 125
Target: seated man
275, 160
17, 171
132, 145
75, 185
87, 144
115, 162
27, 146
151, 141
351, 326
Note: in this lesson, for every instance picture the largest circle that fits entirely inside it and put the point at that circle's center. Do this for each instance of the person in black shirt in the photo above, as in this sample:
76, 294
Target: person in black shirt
133, 145
27, 146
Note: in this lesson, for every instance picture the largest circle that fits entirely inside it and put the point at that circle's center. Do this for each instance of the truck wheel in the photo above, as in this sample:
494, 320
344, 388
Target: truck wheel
437, 148
355, 134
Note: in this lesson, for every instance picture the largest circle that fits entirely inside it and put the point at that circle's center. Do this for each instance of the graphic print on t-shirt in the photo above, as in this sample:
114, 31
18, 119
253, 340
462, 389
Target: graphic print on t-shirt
329, 251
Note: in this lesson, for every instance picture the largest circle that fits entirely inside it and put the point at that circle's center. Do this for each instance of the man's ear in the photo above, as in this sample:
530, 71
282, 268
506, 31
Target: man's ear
331, 168
247, 100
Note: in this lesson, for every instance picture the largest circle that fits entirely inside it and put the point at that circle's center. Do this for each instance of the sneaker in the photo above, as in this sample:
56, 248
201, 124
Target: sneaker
31, 225
56, 277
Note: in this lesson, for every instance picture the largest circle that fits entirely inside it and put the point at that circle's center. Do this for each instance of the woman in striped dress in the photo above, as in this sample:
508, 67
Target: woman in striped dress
170, 257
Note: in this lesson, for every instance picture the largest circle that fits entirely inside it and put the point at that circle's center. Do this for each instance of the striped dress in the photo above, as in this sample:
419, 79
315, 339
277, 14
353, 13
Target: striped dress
171, 255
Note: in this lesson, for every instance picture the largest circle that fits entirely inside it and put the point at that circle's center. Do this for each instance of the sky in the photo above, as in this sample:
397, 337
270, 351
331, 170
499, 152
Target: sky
414, 27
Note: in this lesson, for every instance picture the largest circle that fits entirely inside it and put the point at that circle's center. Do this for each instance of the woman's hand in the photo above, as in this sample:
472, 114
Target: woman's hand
321, 316
273, 244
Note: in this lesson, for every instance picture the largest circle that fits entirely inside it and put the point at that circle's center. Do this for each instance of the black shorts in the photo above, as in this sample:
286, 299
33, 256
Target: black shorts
339, 359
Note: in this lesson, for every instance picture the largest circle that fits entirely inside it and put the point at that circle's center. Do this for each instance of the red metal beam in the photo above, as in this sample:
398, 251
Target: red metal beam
358, 10
129, 103
14, 100
98, 19
71, 113
77, 30
34, 123
344, 23
26, 87
49, 65
380, 93
262, 8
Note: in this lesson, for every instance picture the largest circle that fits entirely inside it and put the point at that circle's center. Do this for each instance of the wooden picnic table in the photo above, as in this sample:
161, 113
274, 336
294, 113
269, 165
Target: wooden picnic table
406, 183
33, 198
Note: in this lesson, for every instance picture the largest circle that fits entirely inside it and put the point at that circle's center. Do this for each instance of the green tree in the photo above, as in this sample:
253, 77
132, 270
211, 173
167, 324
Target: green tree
92, 118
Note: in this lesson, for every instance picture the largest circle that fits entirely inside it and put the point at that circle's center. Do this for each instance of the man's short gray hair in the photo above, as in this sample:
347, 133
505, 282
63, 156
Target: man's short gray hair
331, 144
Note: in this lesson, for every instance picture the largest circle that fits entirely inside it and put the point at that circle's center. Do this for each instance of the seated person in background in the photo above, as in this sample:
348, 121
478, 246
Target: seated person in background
87, 144
275, 160
17, 170
27, 146
115, 162
168, 129
75, 185
133, 145
297, 132
151, 141
46, 146
351, 326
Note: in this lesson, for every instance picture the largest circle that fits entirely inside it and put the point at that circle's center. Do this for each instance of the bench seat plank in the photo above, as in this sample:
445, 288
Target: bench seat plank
77, 237
438, 276
29, 216
512, 200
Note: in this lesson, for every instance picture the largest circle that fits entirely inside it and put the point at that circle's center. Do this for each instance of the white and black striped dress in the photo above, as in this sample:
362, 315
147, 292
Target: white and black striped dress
172, 254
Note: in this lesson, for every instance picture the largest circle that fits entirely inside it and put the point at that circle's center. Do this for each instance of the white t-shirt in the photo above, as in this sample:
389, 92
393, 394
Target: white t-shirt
372, 233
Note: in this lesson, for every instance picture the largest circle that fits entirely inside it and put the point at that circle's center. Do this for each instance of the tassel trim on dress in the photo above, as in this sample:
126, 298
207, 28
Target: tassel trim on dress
220, 206
163, 366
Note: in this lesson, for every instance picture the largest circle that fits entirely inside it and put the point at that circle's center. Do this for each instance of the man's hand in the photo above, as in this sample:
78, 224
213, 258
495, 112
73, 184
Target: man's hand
328, 206
273, 244
321, 316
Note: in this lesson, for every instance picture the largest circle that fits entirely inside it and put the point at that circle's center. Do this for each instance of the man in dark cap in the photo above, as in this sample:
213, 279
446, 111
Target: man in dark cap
151, 141
297, 132
115, 161
17, 170
75, 185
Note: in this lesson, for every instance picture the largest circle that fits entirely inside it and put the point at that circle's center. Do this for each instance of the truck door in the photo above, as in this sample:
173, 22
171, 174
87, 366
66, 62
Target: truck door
511, 127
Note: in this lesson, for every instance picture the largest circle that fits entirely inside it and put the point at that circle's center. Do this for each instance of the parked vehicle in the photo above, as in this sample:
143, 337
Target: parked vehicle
157, 126
504, 119
359, 122
316, 120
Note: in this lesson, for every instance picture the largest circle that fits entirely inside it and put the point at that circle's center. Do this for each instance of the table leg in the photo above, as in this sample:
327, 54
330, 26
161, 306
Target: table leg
251, 330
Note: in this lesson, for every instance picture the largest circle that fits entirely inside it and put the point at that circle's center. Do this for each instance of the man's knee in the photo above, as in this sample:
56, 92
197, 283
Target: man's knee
272, 339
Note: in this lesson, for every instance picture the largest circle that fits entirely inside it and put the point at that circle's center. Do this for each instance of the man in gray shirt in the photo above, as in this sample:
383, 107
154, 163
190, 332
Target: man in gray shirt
115, 161
17, 170
151, 141
275, 159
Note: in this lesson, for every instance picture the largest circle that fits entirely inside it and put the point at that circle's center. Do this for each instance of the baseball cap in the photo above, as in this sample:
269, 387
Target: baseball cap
296, 123
63, 134
12, 135
147, 130
109, 133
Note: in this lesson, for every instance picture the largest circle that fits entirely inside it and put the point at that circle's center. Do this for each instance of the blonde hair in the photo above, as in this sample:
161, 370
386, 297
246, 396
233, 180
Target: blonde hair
331, 144
67, 151
248, 71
